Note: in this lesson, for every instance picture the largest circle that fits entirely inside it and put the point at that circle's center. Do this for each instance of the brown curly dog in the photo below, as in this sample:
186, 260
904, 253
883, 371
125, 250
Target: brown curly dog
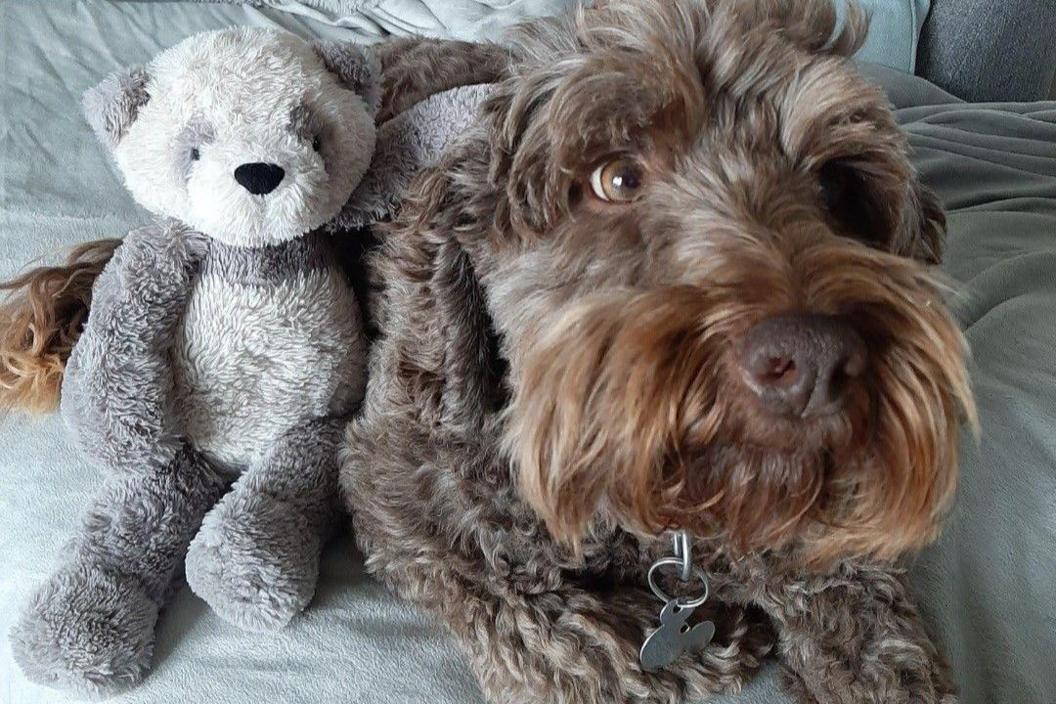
677, 279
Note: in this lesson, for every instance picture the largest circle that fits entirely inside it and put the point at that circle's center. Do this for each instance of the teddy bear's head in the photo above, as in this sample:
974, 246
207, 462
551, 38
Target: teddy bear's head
251, 136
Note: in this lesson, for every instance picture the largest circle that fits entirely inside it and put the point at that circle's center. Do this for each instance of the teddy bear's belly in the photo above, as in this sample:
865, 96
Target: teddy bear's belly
252, 362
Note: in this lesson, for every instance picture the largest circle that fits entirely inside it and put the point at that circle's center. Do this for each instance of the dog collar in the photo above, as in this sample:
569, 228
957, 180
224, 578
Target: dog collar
674, 636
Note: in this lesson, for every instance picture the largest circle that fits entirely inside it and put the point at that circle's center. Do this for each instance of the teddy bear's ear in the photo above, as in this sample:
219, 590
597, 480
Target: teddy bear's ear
111, 107
357, 68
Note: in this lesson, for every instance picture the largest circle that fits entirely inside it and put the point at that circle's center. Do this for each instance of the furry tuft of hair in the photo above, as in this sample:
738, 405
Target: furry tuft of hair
40, 321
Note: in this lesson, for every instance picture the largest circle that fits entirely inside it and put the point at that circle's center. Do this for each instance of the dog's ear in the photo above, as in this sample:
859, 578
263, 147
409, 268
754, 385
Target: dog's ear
427, 273
113, 105
473, 367
922, 230
356, 67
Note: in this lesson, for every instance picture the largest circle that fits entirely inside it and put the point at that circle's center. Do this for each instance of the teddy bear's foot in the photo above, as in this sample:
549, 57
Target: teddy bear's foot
255, 561
86, 631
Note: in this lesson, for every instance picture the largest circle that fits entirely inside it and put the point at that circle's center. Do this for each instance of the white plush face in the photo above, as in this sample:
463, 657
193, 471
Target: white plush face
247, 136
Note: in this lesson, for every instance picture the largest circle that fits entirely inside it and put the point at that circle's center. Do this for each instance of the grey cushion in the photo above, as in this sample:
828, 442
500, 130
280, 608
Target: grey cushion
988, 50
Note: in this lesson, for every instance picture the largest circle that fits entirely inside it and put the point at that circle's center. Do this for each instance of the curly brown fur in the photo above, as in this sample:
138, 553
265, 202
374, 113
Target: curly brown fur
40, 320
42, 316
413, 68
558, 382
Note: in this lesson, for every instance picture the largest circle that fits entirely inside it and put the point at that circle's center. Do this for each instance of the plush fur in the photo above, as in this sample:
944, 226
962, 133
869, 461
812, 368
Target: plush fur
198, 108
224, 341
44, 308
232, 400
559, 383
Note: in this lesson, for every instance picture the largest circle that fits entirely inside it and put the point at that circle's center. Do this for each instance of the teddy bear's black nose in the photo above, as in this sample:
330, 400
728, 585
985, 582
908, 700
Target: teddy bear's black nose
259, 178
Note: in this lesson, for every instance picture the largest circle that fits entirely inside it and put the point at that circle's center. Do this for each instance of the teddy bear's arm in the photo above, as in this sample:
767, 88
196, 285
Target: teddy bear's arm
119, 378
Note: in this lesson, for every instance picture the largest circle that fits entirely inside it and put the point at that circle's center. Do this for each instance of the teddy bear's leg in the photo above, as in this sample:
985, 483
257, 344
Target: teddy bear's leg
256, 558
90, 627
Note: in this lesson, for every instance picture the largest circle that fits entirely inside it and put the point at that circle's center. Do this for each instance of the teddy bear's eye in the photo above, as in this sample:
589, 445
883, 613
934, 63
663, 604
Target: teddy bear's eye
195, 154
316, 144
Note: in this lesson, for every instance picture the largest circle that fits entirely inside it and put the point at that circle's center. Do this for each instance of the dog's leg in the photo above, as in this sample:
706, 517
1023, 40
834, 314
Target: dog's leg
856, 638
256, 558
413, 68
581, 647
445, 539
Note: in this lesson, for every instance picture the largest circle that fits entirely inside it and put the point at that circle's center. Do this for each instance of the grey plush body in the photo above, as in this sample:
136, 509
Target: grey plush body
225, 348
149, 395
557, 380
146, 396
268, 338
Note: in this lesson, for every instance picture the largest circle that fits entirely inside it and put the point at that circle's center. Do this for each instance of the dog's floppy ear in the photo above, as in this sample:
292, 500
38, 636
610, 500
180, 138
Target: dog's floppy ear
473, 368
356, 67
922, 231
427, 275
112, 106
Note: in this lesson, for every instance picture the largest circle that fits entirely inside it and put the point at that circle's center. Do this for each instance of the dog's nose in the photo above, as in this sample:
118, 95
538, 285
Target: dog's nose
259, 178
801, 365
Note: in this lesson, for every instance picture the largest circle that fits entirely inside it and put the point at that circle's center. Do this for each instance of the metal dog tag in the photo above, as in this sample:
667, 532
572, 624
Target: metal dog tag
674, 635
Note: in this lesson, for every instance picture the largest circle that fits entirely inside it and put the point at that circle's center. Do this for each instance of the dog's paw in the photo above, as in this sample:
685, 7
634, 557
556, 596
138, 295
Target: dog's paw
255, 562
87, 632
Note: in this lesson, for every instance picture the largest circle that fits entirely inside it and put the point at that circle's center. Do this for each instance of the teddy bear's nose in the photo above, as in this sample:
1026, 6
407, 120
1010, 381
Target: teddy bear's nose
259, 178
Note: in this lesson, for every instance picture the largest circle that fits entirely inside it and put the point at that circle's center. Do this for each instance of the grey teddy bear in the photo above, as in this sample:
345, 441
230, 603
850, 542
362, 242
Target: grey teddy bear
224, 342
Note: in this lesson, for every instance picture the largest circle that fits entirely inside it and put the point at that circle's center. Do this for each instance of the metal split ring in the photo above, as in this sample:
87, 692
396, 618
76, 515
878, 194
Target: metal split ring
683, 552
681, 564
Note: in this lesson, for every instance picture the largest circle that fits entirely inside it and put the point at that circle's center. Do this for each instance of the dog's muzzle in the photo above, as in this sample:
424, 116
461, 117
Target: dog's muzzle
675, 407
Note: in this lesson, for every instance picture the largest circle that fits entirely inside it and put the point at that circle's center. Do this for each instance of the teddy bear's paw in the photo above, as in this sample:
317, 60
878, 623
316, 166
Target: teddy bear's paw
86, 631
255, 562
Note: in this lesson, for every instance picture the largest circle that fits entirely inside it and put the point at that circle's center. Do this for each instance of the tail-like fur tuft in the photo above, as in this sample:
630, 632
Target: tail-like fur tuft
40, 321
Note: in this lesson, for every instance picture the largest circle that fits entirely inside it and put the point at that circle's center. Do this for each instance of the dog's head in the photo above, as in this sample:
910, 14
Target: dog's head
703, 246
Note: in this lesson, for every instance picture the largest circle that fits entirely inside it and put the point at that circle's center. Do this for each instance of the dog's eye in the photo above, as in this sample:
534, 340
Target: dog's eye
316, 144
847, 197
618, 181
195, 154
833, 186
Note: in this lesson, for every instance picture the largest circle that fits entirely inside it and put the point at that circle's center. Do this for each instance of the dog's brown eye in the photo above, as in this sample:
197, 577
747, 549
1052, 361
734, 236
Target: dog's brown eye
618, 181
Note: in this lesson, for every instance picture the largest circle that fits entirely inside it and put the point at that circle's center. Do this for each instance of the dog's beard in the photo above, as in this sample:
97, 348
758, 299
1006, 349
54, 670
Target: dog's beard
630, 407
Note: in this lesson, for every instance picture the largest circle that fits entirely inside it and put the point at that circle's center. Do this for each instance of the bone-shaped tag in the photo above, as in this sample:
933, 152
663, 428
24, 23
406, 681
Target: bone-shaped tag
674, 637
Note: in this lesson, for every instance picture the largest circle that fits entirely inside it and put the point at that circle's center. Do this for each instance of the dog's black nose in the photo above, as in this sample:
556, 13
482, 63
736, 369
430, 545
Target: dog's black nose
259, 178
800, 365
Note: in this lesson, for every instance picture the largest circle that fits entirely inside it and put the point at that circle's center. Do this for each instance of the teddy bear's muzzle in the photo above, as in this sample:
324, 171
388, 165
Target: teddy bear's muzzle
259, 178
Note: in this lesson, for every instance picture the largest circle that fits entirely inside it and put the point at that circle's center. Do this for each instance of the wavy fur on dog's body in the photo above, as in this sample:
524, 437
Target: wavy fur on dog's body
555, 384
